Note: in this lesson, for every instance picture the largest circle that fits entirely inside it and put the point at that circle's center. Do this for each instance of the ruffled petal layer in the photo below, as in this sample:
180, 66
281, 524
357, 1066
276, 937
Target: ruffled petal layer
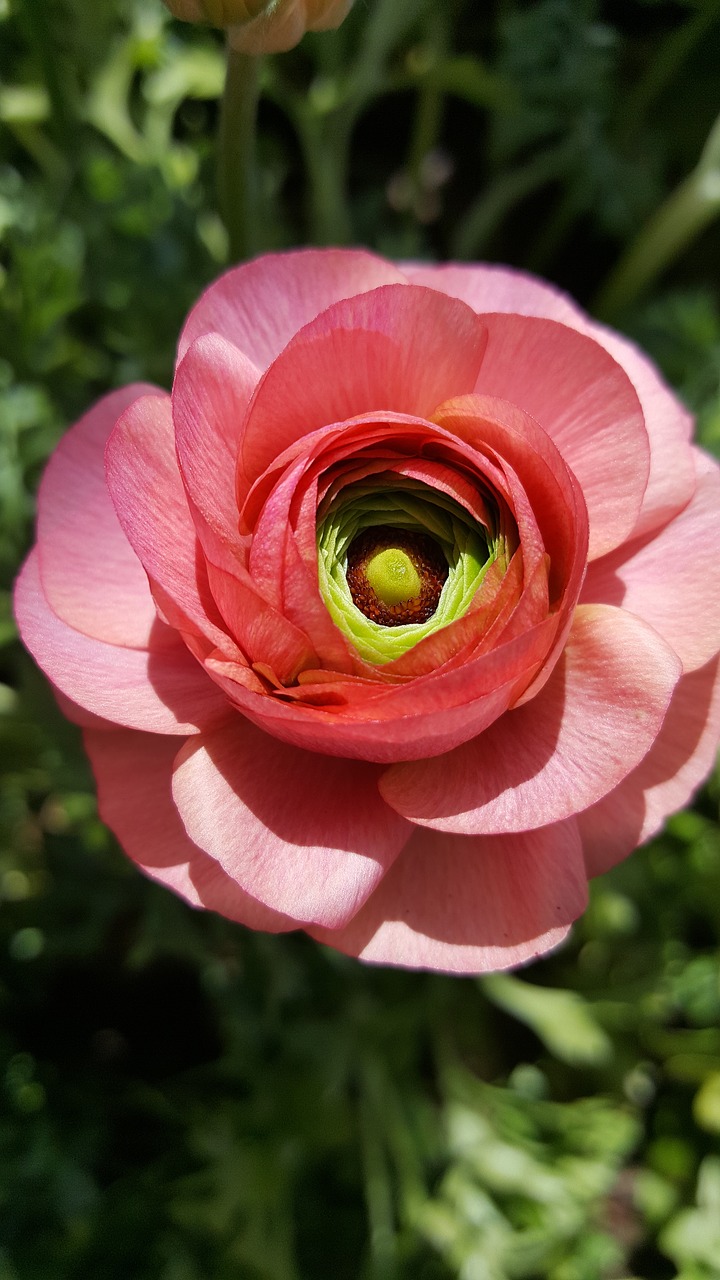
669, 425
151, 833
147, 490
393, 350
91, 577
471, 904
595, 719
307, 835
678, 762
160, 690
672, 579
261, 305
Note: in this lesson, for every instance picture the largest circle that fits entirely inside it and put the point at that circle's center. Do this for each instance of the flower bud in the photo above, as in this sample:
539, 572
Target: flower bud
263, 26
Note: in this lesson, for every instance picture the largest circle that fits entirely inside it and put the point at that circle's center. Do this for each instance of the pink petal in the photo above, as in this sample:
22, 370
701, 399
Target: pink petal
465, 904
260, 305
493, 288
668, 423
672, 579
90, 574
669, 426
211, 393
264, 634
399, 725
586, 403
147, 491
665, 781
392, 350
134, 778
305, 834
549, 488
594, 721
162, 691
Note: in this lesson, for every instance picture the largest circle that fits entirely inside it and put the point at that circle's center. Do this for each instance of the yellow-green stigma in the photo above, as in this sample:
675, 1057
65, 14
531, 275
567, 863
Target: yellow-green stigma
395, 576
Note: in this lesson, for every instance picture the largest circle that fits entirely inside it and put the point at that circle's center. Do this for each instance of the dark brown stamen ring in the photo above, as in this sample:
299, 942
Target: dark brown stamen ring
427, 559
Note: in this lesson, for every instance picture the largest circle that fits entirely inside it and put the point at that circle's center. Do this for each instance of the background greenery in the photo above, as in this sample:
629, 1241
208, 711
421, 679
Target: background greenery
182, 1100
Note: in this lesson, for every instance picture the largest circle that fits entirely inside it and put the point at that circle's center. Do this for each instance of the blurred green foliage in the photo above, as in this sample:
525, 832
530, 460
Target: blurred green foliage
182, 1100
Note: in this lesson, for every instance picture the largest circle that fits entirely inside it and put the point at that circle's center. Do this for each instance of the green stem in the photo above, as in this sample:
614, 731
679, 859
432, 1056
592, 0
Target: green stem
556, 229
41, 34
673, 52
325, 149
429, 113
237, 155
378, 1183
688, 210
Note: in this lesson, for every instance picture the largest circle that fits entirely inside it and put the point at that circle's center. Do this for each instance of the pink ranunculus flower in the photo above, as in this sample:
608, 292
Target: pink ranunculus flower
264, 26
397, 619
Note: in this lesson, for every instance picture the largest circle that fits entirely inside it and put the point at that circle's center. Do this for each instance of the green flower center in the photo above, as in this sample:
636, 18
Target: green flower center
398, 560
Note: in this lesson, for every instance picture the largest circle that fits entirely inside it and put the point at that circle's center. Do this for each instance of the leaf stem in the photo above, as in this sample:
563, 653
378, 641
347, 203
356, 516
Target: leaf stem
690, 208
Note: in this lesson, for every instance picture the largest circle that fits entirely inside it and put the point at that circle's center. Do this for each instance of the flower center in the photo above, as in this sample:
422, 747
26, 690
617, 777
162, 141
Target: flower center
399, 559
395, 576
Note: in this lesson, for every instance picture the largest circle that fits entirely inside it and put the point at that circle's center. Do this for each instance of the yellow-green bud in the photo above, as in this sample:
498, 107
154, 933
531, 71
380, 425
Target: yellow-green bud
263, 26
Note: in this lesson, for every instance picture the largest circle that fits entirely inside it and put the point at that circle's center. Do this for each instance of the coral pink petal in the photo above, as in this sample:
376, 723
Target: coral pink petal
90, 574
555, 500
467, 904
673, 769
672, 580
305, 834
211, 393
394, 350
163, 691
147, 490
491, 288
669, 425
263, 633
80, 716
594, 721
586, 403
134, 778
261, 305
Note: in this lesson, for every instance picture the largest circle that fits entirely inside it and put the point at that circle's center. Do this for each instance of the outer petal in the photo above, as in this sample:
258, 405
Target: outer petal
679, 761
493, 288
471, 904
594, 720
90, 574
147, 490
163, 691
260, 305
395, 349
669, 425
672, 579
134, 777
306, 834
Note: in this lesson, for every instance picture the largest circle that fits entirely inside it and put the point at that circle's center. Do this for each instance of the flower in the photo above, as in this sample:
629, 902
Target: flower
397, 619
264, 26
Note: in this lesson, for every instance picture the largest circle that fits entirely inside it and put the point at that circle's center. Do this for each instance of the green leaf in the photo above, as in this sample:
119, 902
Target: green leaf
561, 1019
